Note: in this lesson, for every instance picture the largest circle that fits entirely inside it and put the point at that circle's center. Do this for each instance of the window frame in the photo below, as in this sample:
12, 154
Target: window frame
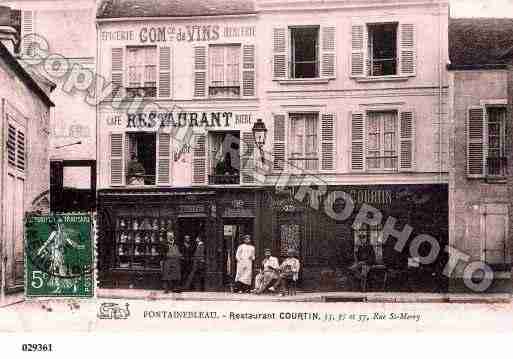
211, 165
370, 50
126, 151
291, 54
382, 140
210, 85
303, 157
502, 139
127, 84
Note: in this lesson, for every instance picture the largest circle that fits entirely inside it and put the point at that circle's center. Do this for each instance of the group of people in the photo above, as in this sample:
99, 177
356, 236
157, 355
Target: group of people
271, 275
183, 267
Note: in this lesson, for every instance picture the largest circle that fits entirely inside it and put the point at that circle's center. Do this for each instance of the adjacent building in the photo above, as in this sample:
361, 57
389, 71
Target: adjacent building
24, 158
480, 180
354, 98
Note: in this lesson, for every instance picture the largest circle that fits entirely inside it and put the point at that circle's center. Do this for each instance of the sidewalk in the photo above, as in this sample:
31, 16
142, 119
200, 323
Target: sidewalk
318, 297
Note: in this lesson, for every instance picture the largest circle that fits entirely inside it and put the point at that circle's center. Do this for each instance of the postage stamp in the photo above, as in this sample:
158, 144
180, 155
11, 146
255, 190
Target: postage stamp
59, 256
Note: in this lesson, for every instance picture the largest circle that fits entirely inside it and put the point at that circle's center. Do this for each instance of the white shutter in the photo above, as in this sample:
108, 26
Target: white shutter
357, 141
247, 157
407, 141
358, 50
329, 52
116, 159
407, 49
248, 70
200, 71
117, 72
494, 234
165, 72
476, 132
280, 63
328, 123
279, 151
27, 28
199, 164
164, 158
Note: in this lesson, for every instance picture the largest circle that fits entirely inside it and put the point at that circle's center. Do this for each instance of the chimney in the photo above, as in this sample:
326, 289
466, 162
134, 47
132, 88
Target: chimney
9, 36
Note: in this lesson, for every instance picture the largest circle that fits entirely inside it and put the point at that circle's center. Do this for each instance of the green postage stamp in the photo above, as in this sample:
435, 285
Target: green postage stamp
59, 256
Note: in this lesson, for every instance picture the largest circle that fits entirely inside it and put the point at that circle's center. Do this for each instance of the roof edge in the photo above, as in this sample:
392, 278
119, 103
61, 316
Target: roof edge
459, 67
24, 75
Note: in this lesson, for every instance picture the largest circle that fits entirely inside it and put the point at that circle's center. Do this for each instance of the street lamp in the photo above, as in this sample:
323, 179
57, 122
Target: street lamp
259, 135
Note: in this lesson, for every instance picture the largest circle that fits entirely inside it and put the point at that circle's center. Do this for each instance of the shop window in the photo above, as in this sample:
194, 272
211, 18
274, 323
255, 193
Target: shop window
372, 235
224, 63
382, 140
141, 159
142, 71
304, 53
224, 158
304, 141
496, 159
382, 49
139, 241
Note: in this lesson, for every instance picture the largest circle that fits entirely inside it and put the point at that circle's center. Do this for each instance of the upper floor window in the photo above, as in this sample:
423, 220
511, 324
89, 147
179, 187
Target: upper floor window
304, 141
142, 71
304, 52
382, 140
382, 49
224, 63
141, 159
486, 142
304, 60
225, 157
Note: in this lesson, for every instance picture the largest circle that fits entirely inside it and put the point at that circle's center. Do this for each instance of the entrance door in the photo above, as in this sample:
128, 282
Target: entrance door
233, 230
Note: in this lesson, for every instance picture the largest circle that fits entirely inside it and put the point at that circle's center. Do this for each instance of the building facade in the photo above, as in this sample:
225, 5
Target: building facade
480, 180
354, 100
25, 128
73, 123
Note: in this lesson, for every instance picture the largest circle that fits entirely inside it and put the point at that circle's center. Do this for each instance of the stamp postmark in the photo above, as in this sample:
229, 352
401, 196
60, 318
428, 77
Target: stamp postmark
59, 256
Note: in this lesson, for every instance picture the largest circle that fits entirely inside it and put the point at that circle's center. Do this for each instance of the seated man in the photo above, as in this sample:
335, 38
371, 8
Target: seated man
365, 258
289, 272
135, 171
268, 274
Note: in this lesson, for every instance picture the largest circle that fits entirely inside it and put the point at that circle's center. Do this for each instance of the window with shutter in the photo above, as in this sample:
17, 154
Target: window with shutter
381, 140
407, 43
407, 141
164, 158
357, 141
328, 142
116, 159
141, 154
279, 143
27, 28
16, 149
165, 72
358, 50
199, 165
142, 71
280, 63
117, 72
200, 71
382, 49
329, 53
304, 52
303, 139
475, 142
227, 157
248, 72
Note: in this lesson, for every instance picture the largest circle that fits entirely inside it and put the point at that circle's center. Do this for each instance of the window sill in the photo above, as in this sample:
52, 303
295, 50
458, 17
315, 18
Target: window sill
313, 81
392, 78
496, 179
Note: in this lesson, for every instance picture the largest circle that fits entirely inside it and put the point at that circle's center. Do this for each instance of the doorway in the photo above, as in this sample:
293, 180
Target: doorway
233, 230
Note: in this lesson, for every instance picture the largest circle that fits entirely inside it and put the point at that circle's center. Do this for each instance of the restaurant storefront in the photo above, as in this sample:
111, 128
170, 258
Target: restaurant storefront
135, 221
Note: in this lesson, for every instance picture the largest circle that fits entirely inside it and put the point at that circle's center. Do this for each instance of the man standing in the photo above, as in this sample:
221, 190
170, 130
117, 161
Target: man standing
245, 256
365, 258
268, 274
187, 250
197, 276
